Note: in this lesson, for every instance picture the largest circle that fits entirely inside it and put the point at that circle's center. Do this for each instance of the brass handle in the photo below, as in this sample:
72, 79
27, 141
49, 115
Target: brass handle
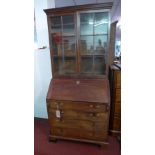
91, 106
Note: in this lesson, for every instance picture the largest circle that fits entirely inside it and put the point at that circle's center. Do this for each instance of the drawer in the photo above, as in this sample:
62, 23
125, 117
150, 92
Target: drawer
117, 123
98, 126
78, 133
82, 106
71, 124
118, 95
100, 136
118, 108
117, 79
79, 115
72, 133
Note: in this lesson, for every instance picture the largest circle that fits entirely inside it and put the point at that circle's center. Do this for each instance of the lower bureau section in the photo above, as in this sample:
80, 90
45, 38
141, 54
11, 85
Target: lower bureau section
87, 122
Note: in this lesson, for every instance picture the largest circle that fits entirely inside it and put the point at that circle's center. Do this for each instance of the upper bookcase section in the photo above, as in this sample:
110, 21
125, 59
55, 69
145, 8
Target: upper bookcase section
79, 40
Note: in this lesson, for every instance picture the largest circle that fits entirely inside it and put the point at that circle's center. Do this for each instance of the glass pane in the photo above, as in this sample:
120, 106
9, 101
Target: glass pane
56, 35
101, 23
100, 44
56, 24
68, 25
100, 66
56, 44
69, 46
86, 64
69, 65
86, 45
57, 65
86, 23
64, 65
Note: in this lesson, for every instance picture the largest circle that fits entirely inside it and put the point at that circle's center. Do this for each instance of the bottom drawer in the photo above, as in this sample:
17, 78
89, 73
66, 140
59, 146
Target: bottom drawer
78, 133
117, 123
72, 133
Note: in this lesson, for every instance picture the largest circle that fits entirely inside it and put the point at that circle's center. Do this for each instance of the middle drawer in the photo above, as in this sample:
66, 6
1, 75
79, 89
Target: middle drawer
72, 124
83, 106
79, 115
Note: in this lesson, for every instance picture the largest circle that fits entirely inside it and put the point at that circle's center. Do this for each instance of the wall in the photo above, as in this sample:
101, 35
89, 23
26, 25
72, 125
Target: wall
116, 16
42, 65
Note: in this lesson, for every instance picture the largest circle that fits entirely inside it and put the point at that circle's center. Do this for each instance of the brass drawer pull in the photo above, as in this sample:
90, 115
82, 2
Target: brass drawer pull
91, 106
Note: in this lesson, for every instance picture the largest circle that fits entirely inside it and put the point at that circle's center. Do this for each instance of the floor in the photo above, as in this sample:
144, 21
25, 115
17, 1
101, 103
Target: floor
43, 147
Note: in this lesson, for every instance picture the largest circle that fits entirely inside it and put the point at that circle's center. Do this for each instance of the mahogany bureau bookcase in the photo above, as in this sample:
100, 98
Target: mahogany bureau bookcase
78, 99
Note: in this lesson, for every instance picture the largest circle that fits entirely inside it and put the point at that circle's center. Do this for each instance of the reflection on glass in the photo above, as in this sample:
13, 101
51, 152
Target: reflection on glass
101, 23
86, 23
56, 24
56, 44
86, 45
69, 46
100, 66
100, 44
87, 64
64, 65
68, 24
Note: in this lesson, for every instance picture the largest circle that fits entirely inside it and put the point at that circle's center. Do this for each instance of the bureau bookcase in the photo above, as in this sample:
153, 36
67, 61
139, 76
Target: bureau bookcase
78, 99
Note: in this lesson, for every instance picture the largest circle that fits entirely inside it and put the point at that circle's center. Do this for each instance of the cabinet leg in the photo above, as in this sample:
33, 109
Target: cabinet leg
51, 139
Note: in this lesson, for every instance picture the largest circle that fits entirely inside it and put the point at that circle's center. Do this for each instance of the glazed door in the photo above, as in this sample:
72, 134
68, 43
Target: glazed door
63, 38
93, 40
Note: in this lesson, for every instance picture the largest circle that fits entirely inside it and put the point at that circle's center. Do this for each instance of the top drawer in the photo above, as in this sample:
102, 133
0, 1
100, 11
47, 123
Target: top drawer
117, 79
82, 106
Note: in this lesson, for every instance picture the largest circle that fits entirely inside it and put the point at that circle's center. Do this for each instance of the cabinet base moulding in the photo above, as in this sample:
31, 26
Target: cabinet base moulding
55, 138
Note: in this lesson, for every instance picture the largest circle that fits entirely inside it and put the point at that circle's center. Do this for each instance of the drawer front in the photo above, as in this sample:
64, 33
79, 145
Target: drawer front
117, 79
117, 123
118, 95
78, 133
72, 133
118, 108
79, 115
72, 124
100, 136
67, 105
98, 126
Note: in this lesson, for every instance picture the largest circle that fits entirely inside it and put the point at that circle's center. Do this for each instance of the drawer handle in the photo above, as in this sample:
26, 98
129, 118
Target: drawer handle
91, 106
